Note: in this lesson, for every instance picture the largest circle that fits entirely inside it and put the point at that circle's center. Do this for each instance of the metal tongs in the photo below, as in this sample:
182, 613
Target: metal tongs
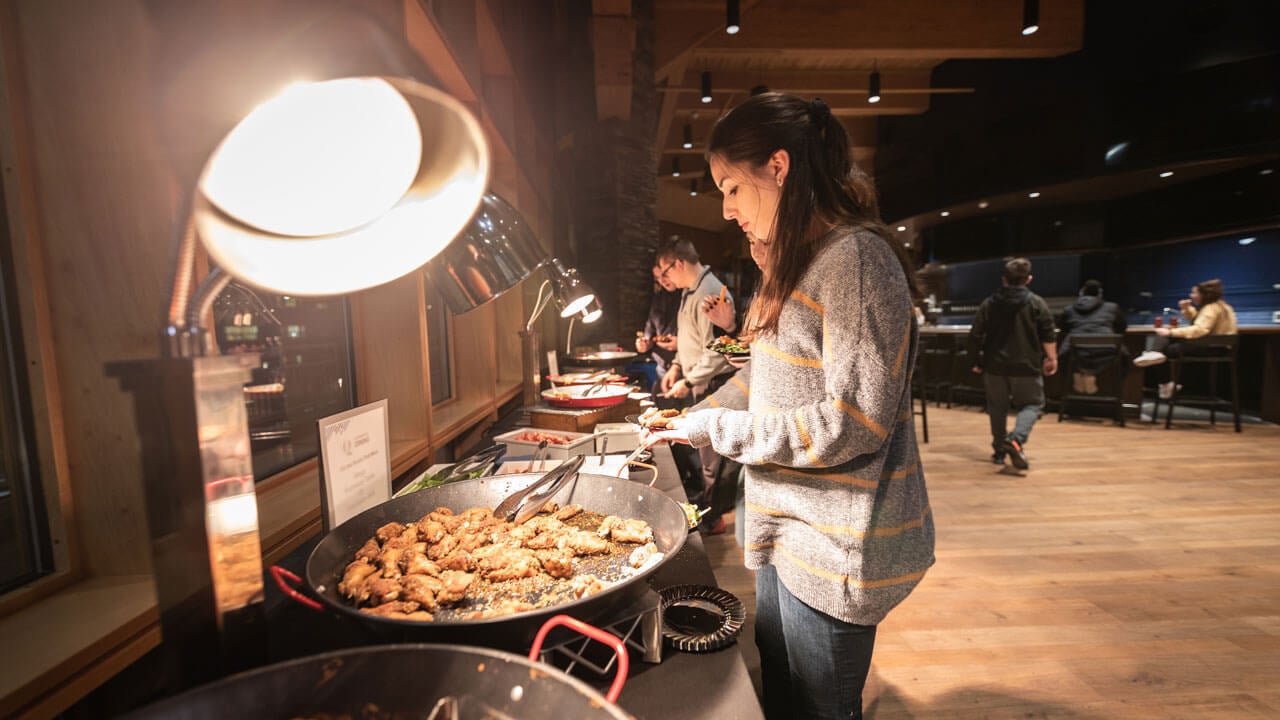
597, 386
524, 504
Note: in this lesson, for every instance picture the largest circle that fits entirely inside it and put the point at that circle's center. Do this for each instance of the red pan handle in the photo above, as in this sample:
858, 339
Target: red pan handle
283, 577
595, 633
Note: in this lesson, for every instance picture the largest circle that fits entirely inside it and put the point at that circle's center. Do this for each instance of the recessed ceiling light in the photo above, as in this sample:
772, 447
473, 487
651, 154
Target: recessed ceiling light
1033, 195
1246, 241
1266, 171
1057, 223
902, 228
983, 204
906, 244
1166, 173
945, 213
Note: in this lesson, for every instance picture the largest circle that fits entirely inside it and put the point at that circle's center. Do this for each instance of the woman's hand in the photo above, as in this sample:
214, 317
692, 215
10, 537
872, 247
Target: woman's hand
1163, 332
720, 312
669, 378
1184, 303
669, 343
674, 434
737, 361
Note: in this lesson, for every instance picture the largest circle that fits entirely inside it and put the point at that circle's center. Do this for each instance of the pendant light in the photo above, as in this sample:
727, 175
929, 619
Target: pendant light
688, 137
733, 19
873, 88
1030, 16
675, 167
706, 86
693, 187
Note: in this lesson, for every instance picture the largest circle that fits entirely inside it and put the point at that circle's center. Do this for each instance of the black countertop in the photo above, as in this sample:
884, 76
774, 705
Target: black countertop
682, 685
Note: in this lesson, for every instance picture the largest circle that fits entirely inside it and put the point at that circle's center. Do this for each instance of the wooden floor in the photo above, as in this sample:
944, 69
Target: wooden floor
1130, 573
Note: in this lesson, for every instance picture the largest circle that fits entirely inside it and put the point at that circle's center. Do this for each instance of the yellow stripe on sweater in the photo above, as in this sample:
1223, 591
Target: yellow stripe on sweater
741, 385
711, 400
808, 301
902, 352
911, 524
804, 439
836, 577
904, 472
843, 479
787, 357
856, 414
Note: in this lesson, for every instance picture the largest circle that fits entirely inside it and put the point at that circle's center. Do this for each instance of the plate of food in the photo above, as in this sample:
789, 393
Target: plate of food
655, 419
587, 378
729, 346
586, 396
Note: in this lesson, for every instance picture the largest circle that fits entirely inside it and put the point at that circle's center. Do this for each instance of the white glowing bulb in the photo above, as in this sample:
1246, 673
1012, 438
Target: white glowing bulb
319, 158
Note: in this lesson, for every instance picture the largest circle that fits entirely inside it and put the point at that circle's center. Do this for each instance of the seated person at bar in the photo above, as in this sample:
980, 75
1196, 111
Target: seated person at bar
1089, 315
1209, 315
656, 343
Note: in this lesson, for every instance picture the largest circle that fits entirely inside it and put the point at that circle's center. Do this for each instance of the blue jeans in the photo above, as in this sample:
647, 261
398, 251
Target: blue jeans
1024, 393
812, 665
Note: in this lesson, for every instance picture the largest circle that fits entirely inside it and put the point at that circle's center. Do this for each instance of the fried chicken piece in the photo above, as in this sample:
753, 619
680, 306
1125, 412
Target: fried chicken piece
501, 607
369, 551
542, 523
389, 560
520, 534
567, 512
557, 563
444, 516
399, 611
582, 542
388, 531
416, 562
628, 531
404, 539
383, 590
585, 585
420, 589
430, 530
447, 544
544, 541
453, 586
500, 563
474, 538
550, 507
459, 560
353, 578
641, 555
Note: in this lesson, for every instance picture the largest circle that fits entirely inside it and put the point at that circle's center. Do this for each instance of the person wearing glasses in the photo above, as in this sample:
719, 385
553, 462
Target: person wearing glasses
838, 524
657, 341
697, 370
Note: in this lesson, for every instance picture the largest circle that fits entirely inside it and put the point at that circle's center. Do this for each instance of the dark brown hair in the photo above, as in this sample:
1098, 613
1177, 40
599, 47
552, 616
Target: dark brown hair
677, 248
823, 188
1210, 291
1016, 271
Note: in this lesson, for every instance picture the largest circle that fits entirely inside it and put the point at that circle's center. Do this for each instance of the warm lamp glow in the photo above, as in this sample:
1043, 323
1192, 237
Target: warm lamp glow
317, 159
343, 185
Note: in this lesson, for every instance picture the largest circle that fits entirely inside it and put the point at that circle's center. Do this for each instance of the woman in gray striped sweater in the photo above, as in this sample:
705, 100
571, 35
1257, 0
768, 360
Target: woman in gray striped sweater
838, 523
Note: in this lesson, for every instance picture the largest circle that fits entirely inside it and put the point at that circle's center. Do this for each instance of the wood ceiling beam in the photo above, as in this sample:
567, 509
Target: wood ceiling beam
870, 29
814, 83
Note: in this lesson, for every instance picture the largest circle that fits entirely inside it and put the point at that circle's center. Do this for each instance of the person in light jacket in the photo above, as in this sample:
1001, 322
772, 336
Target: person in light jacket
1208, 313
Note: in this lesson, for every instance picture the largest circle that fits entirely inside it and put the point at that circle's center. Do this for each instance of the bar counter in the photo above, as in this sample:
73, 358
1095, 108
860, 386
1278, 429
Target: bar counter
682, 685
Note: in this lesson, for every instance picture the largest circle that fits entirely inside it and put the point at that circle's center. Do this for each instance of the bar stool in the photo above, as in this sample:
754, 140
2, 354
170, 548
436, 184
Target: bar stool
1210, 351
1113, 370
919, 386
937, 360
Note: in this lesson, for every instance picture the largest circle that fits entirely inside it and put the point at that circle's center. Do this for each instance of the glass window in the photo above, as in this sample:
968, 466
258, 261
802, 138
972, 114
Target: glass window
25, 553
438, 354
305, 373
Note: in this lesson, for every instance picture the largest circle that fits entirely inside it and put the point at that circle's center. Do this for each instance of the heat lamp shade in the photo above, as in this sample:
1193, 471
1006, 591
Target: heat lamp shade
337, 186
572, 293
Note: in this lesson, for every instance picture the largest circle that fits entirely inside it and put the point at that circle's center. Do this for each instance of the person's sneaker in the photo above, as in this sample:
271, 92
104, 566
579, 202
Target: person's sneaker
1165, 390
997, 458
1013, 449
1149, 358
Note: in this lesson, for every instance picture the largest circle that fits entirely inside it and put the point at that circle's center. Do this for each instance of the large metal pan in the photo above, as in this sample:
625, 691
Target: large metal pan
403, 681
597, 493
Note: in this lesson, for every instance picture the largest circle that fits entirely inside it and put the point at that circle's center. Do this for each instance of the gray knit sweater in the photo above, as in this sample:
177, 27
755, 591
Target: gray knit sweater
821, 418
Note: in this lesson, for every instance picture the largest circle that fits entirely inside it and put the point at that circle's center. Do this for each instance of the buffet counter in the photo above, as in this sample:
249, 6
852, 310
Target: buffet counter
682, 685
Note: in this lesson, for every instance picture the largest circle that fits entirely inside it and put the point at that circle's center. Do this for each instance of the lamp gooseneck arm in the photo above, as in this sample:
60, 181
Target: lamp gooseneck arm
212, 285
539, 304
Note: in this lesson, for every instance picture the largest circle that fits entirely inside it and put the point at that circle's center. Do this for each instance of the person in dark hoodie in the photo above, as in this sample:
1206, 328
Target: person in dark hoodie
1089, 315
1012, 346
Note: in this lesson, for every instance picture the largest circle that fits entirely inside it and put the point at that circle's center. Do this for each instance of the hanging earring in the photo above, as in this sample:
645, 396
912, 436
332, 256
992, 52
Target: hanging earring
779, 181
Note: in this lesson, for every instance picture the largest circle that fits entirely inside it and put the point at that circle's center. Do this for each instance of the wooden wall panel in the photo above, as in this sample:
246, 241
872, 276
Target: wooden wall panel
508, 321
391, 354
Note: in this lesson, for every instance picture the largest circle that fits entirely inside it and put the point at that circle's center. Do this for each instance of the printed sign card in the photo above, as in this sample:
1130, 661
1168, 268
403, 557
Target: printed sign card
355, 462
